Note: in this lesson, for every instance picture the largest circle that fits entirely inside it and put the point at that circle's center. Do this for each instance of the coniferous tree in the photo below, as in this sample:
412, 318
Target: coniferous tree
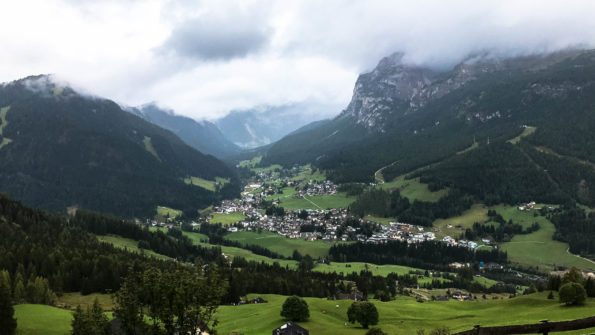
8, 324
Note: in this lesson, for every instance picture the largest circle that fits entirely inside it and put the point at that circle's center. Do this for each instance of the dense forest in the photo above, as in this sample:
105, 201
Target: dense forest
576, 228
429, 255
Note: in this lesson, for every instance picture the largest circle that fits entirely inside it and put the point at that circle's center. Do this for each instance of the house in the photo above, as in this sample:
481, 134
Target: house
291, 328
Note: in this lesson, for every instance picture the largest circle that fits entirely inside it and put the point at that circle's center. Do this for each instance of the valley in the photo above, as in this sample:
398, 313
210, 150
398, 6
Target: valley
437, 199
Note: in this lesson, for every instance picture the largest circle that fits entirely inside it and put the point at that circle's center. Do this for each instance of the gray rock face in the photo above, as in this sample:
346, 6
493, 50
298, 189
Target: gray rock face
395, 88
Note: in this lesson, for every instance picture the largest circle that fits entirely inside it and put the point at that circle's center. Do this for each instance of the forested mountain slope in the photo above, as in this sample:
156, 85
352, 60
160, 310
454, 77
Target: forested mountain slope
408, 117
61, 148
203, 136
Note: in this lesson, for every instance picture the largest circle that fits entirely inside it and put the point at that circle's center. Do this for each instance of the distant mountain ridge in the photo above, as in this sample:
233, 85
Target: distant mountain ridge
61, 148
266, 124
204, 136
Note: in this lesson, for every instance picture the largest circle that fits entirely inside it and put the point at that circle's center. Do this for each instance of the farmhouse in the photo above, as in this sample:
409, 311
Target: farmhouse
291, 328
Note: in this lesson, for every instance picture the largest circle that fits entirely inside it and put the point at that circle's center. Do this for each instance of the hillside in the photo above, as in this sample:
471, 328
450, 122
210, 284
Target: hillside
61, 148
203, 136
404, 117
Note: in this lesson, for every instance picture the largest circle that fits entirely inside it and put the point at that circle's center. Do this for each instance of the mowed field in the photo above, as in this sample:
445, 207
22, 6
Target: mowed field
538, 248
455, 226
339, 200
412, 189
227, 218
403, 316
128, 244
42, 320
280, 244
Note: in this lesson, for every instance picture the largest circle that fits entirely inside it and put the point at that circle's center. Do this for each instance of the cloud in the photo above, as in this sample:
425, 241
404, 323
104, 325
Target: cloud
204, 58
217, 38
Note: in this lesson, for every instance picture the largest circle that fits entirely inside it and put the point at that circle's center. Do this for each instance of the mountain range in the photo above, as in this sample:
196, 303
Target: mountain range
60, 148
502, 129
203, 136
263, 125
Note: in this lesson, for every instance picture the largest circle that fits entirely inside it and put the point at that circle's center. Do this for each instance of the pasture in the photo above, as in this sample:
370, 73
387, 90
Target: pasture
227, 218
456, 225
413, 189
166, 212
42, 320
280, 244
210, 185
403, 316
339, 200
129, 245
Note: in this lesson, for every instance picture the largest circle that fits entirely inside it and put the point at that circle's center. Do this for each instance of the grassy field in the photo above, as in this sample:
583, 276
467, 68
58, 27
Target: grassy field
402, 316
227, 219
128, 244
210, 185
339, 200
42, 320
538, 248
168, 212
455, 226
307, 174
252, 163
380, 220
72, 300
280, 244
412, 189
287, 192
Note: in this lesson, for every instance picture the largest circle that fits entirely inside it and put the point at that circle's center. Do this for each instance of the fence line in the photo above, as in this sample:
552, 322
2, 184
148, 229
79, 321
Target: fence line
543, 327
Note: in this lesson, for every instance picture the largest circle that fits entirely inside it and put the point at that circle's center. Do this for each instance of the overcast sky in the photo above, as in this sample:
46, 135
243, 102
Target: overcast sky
204, 58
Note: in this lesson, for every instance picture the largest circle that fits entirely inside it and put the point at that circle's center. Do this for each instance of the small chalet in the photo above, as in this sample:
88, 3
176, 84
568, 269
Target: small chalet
291, 328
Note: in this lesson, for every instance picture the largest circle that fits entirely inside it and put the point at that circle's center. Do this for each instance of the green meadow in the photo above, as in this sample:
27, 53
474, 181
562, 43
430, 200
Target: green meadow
42, 320
456, 225
128, 244
538, 249
164, 212
210, 185
227, 218
403, 316
280, 244
339, 200
413, 189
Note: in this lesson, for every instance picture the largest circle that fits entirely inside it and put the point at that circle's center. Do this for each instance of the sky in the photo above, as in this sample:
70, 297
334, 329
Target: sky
206, 58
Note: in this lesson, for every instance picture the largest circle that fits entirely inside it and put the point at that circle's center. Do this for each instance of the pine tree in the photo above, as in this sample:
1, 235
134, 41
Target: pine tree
8, 324
80, 323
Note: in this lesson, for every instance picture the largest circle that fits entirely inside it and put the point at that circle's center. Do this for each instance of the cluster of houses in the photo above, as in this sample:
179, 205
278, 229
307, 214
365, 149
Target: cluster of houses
312, 188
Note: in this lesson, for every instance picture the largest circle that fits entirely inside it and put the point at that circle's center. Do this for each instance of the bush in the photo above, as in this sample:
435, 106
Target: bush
295, 309
572, 294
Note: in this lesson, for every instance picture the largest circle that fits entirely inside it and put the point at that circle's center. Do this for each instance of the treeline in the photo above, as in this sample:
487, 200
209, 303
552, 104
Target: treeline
576, 228
429, 255
172, 243
501, 232
384, 203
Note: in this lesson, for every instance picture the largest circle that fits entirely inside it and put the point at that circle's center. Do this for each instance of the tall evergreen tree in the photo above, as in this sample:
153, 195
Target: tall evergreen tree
8, 324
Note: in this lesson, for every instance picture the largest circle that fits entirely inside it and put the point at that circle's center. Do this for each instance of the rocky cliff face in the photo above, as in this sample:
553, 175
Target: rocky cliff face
395, 88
